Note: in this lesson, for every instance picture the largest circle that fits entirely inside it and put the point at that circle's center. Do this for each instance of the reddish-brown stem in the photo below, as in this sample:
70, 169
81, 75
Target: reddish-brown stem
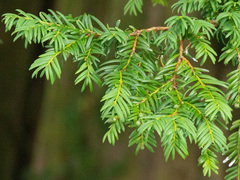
132, 53
159, 28
178, 63
134, 45
214, 23
180, 49
190, 65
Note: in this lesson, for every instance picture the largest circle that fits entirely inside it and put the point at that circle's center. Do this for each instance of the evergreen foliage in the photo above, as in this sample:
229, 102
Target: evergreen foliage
152, 86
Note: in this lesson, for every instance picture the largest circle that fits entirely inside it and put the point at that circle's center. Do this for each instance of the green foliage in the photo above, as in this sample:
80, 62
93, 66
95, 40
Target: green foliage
152, 86
134, 6
162, 2
233, 152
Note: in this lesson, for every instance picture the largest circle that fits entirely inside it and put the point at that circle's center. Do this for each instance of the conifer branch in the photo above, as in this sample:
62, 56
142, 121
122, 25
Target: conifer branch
146, 88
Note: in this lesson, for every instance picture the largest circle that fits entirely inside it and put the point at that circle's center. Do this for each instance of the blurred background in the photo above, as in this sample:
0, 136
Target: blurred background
55, 132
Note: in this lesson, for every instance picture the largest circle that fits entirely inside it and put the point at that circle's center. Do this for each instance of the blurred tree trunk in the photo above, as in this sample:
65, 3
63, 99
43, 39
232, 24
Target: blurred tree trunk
20, 96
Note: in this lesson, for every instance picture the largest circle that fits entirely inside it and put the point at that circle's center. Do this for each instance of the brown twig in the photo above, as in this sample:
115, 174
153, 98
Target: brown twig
214, 23
134, 45
189, 64
180, 49
180, 58
178, 64
159, 28
132, 53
